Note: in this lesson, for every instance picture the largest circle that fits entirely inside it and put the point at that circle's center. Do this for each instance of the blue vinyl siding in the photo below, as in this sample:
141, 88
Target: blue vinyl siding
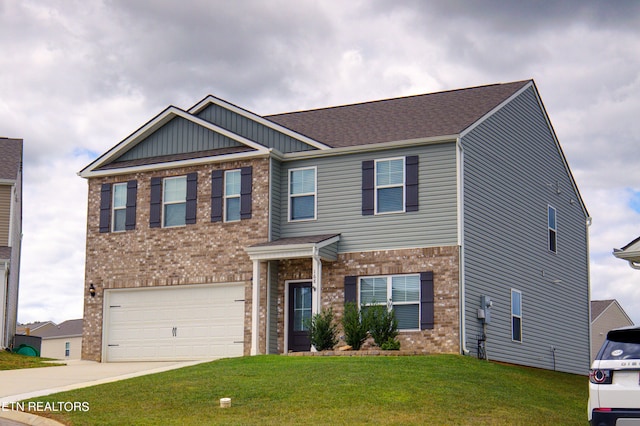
178, 136
339, 208
252, 130
512, 173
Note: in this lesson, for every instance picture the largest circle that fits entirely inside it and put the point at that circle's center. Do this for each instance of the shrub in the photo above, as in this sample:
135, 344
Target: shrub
355, 328
382, 324
390, 345
323, 331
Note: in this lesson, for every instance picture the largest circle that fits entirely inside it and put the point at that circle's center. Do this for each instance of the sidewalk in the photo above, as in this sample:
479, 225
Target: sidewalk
18, 385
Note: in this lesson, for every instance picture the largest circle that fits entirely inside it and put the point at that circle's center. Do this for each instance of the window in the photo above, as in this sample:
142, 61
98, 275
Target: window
231, 195
119, 204
390, 185
516, 316
174, 201
553, 229
302, 194
398, 292
67, 349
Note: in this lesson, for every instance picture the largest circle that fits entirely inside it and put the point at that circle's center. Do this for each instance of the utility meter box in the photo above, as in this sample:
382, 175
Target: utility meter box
484, 313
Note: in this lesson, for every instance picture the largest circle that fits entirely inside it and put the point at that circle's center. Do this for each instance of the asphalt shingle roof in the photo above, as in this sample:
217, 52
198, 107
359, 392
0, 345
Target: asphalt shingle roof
406, 118
64, 329
10, 158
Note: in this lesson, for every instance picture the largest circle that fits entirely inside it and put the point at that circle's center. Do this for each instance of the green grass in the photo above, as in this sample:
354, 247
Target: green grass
12, 361
442, 389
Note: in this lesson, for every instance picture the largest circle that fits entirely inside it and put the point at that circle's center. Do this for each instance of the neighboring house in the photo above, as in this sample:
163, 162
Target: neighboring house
35, 328
10, 235
630, 253
215, 231
605, 315
63, 341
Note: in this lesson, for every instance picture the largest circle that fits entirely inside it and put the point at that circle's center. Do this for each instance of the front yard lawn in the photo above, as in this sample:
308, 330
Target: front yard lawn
12, 361
274, 389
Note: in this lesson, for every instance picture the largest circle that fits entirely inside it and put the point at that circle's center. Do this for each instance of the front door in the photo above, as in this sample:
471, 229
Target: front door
299, 315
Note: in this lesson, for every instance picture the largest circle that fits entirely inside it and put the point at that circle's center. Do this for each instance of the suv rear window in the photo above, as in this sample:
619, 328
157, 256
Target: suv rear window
621, 344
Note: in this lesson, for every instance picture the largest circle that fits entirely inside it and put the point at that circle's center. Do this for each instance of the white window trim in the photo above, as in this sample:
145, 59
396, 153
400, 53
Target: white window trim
513, 290
165, 203
314, 193
389, 303
555, 230
403, 185
114, 208
225, 196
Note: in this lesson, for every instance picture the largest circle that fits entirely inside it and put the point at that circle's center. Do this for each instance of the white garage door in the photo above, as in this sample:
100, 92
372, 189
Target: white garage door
174, 323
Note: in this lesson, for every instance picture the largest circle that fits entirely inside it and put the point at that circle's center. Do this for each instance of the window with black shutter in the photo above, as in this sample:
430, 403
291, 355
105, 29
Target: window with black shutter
231, 194
410, 295
390, 185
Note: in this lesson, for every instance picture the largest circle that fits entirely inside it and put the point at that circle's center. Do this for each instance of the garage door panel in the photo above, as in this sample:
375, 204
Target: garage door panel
182, 322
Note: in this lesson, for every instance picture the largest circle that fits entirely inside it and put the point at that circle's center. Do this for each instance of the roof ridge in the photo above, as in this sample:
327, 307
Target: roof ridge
462, 89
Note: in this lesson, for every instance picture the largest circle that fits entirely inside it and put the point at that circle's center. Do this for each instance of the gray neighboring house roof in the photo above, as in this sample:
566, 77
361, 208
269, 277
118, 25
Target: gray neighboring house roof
630, 253
69, 328
33, 326
11, 158
598, 307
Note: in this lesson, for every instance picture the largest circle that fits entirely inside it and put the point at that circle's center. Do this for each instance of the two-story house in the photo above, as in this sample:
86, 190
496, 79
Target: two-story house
216, 231
10, 236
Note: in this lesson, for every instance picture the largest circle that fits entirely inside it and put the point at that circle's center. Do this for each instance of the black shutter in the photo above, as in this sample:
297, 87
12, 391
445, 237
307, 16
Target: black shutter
105, 207
368, 187
132, 193
155, 214
246, 174
216, 195
426, 300
350, 289
192, 196
411, 183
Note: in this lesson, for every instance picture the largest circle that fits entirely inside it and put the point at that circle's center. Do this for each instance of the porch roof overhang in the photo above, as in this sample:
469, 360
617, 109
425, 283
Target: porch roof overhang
296, 247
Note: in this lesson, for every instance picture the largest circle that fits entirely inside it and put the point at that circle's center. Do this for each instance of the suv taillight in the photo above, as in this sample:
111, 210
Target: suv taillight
601, 377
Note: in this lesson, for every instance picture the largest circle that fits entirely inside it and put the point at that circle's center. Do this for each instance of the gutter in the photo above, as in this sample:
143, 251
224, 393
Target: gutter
630, 257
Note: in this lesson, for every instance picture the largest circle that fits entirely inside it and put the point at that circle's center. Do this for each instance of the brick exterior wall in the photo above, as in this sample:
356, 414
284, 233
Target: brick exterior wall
201, 253
443, 261
205, 253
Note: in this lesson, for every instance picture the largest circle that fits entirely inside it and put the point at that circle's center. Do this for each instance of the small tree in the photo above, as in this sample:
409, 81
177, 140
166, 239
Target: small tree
383, 325
356, 330
323, 331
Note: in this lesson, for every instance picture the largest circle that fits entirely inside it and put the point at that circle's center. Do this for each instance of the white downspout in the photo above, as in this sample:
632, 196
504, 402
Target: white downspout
460, 183
4, 293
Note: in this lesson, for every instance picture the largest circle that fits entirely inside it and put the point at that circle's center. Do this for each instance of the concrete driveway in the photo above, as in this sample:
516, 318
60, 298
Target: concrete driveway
18, 385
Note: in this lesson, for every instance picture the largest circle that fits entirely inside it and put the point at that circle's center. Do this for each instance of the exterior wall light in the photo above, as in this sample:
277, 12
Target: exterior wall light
92, 290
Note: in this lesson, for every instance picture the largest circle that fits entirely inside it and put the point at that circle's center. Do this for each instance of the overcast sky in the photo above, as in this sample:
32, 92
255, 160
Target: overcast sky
77, 77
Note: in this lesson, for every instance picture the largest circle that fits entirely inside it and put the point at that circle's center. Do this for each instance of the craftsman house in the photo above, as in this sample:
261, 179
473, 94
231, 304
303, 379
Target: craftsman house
215, 231
10, 236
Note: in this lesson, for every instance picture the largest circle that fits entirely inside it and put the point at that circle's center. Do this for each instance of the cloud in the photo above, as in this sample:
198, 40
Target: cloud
77, 77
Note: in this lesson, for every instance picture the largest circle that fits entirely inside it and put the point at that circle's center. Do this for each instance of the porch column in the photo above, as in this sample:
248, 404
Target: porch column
316, 283
255, 308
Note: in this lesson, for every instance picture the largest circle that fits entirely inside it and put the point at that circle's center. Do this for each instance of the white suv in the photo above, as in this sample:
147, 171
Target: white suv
614, 380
